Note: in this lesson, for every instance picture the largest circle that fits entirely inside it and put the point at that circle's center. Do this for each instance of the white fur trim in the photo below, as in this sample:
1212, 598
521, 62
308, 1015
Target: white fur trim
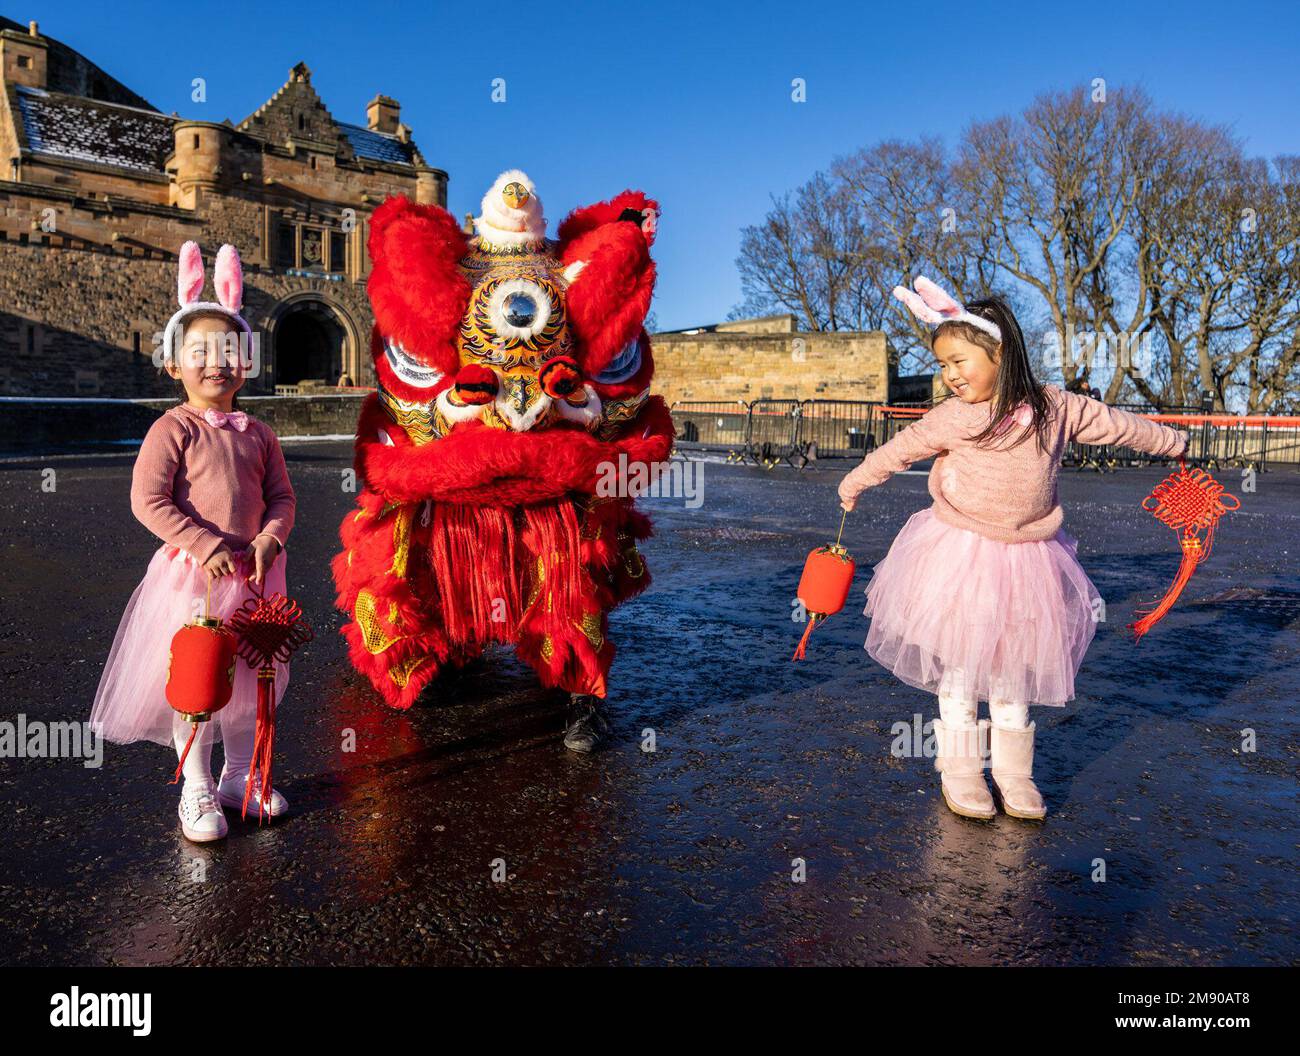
454, 412
496, 309
574, 270
987, 325
503, 226
588, 415
410, 370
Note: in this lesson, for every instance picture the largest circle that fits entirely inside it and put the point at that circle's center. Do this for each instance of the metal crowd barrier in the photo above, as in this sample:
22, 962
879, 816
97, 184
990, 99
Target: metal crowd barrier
769, 432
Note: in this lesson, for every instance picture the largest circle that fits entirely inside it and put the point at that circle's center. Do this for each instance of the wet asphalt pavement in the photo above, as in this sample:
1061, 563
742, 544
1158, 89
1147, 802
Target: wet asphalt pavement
686, 854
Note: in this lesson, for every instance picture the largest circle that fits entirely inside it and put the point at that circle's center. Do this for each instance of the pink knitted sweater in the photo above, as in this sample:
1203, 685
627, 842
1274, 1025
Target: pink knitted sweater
197, 486
1002, 491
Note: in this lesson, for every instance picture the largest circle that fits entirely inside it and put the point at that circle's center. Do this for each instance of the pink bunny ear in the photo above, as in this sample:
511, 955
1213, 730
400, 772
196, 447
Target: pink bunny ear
229, 278
919, 308
189, 274
936, 298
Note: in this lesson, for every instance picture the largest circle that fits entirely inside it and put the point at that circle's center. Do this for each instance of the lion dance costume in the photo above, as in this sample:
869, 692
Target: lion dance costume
512, 407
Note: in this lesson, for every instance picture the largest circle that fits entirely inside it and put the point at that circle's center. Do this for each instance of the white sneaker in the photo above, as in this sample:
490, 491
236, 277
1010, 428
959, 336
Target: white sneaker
231, 793
201, 818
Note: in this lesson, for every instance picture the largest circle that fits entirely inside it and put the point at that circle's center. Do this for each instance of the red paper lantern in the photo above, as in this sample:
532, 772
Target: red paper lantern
823, 587
201, 669
200, 674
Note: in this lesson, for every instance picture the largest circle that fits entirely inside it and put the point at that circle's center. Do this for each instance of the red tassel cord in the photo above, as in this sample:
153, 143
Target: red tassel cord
801, 650
188, 744
1190, 502
259, 769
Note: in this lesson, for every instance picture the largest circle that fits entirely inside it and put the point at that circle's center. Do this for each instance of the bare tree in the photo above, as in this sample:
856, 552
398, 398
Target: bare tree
802, 259
1139, 249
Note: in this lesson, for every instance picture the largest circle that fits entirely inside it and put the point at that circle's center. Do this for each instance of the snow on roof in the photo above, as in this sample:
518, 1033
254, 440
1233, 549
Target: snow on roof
84, 129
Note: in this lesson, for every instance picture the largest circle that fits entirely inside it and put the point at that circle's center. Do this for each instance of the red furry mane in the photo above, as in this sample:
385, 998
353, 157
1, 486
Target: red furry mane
610, 298
417, 293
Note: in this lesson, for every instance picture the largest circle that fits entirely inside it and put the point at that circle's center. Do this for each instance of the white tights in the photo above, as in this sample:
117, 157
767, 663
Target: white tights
960, 708
1005, 714
198, 764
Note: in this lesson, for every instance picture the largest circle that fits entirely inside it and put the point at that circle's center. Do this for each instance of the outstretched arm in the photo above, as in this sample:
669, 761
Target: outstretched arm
924, 438
1090, 421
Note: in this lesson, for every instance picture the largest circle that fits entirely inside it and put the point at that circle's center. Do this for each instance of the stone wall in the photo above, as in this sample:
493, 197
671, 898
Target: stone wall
82, 321
736, 365
52, 426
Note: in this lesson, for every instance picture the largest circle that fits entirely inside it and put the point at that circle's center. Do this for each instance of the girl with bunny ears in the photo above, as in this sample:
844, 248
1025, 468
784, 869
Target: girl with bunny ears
981, 596
210, 482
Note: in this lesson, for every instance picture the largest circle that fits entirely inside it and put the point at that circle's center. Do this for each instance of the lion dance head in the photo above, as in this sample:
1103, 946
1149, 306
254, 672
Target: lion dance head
513, 405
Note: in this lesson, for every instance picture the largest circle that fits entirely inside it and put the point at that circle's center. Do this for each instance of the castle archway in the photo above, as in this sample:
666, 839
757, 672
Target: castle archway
312, 340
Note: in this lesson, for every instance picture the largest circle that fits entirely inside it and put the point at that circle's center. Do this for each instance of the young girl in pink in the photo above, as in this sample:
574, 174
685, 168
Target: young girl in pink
210, 482
981, 596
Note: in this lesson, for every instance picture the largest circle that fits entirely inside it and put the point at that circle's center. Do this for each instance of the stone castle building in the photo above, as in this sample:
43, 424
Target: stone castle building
98, 190
750, 359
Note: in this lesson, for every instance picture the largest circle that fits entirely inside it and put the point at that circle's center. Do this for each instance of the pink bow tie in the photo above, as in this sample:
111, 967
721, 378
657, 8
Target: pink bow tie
217, 418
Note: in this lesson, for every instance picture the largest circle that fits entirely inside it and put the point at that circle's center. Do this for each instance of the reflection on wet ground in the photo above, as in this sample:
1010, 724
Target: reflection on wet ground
686, 854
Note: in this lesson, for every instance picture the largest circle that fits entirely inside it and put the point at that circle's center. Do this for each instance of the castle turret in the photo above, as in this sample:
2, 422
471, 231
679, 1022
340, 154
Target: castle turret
199, 161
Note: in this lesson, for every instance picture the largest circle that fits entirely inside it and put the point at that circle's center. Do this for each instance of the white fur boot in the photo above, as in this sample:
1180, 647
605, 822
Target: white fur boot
960, 762
1013, 772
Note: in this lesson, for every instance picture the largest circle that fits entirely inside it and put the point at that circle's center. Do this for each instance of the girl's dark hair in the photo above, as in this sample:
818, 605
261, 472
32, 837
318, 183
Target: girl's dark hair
1016, 383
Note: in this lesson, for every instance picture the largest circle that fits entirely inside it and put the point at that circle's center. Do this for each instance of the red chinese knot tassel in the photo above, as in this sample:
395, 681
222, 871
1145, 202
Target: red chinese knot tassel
269, 629
1190, 502
259, 768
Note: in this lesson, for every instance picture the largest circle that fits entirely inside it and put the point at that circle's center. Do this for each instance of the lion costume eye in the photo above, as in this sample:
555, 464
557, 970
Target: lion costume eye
409, 369
622, 366
519, 309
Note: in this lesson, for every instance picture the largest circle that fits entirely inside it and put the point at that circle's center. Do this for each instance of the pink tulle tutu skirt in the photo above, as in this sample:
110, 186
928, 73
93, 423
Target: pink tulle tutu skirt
131, 703
956, 612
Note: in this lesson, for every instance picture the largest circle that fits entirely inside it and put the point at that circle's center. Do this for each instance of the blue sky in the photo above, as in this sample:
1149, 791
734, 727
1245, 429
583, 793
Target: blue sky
691, 105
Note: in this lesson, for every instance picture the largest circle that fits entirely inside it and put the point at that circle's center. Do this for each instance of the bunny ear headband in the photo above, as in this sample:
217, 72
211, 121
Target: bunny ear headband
934, 306
228, 279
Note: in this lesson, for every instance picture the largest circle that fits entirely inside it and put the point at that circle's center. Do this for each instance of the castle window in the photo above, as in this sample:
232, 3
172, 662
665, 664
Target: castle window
196, 141
286, 255
302, 122
338, 252
24, 62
